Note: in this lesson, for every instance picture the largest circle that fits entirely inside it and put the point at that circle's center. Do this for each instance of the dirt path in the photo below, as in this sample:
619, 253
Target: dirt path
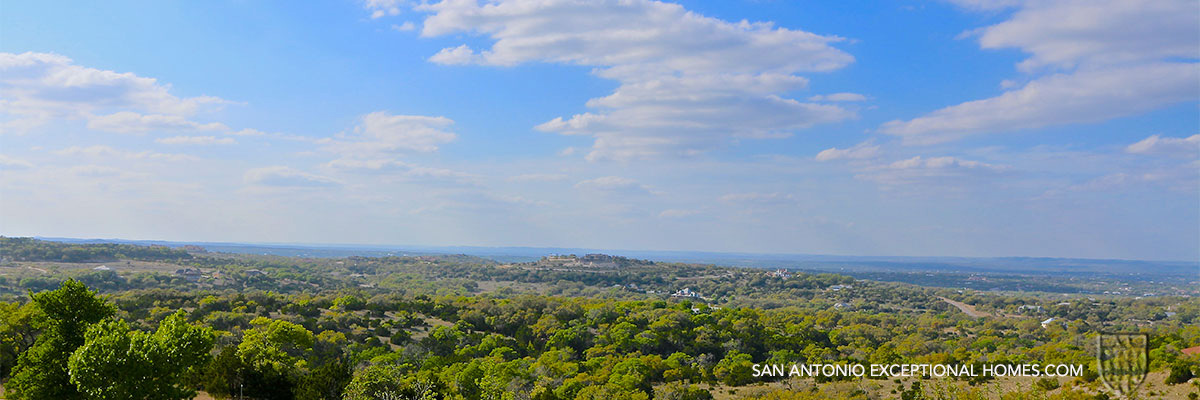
966, 308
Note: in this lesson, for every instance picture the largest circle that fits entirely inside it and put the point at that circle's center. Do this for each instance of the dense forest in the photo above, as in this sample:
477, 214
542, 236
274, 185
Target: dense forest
459, 327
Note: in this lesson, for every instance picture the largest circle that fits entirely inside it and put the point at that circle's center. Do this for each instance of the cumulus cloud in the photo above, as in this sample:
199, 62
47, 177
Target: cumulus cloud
1089, 61
381, 133
859, 151
688, 83
195, 140
282, 176
460, 55
405, 27
614, 184
1168, 146
38, 87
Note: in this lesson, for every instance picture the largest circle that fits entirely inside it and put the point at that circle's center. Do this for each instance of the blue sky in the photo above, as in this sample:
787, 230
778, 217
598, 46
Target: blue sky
966, 128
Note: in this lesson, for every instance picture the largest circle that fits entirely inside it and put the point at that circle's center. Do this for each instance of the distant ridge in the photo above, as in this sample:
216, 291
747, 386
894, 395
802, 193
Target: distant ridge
991, 265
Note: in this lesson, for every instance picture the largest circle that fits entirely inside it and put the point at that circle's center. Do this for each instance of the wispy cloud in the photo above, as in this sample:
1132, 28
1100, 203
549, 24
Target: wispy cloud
283, 176
1188, 147
195, 140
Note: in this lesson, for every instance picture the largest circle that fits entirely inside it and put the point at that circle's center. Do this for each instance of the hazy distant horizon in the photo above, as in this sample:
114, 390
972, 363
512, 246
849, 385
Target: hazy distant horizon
533, 252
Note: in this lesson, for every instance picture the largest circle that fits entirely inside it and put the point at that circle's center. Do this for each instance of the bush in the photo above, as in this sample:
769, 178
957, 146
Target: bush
1180, 373
1046, 384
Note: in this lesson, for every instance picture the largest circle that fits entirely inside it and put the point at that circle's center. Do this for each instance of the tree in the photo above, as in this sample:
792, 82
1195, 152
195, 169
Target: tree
679, 391
734, 369
326, 382
117, 363
391, 382
41, 372
18, 331
276, 345
272, 358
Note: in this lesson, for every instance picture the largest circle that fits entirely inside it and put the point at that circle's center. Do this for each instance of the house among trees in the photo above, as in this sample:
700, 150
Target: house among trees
191, 274
686, 292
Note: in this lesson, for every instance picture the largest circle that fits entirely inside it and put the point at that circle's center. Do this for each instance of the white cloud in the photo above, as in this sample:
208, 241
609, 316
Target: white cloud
859, 151
1157, 145
286, 177
1069, 33
688, 83
381, 133
538, 178
460, 55
195, 140
384, 8
131, 122
38, 87
399, 168
933, 169
1183, 178
102, 171
246, 132
100, 151
1089, 61
10, 163
1085, 96
614, 184
838, 97
407, 26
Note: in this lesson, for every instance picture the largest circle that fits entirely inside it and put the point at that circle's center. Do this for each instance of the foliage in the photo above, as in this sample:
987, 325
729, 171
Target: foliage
41, 372
1180, 372
117, 363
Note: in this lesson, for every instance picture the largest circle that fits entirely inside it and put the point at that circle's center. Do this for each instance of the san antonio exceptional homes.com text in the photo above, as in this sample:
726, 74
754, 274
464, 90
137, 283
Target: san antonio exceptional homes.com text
919, 370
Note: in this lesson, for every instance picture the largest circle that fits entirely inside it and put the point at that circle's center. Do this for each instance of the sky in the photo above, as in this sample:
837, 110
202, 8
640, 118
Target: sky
957, 128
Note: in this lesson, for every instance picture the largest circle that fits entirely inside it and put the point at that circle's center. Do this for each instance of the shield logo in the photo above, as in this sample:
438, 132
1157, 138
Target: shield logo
1123, 359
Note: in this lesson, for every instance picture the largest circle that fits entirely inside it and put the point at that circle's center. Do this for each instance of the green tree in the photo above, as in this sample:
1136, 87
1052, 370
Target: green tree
117, 363
18, 331
326, 382
680, 391
735, 369
41, 372
276, 345
391, 382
